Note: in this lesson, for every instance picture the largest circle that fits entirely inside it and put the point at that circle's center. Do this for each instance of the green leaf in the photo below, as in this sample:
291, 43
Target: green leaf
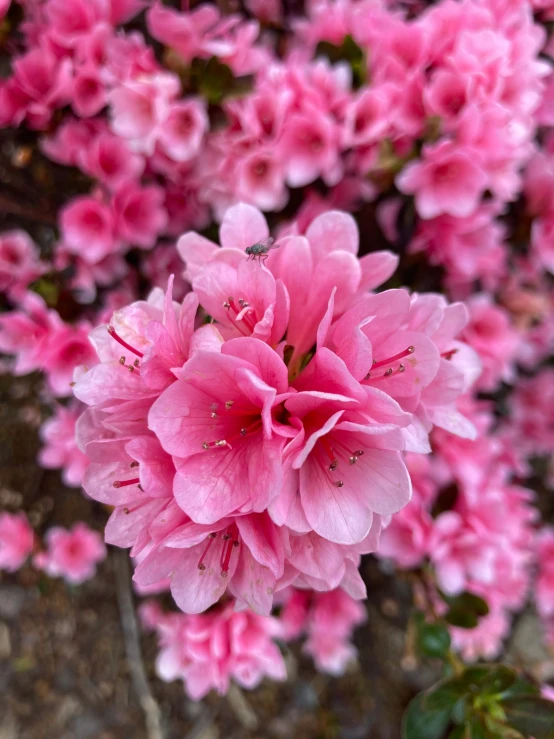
444, 695
462, 619
476, 729
433, 640
421, 722
458, 733
492, 679
465, 609
531, 715
520, 686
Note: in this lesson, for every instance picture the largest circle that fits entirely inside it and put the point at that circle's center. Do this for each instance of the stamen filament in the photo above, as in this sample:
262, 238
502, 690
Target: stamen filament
112, 332
125, 483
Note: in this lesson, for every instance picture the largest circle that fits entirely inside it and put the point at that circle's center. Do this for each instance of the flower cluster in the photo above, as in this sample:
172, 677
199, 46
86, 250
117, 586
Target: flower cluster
327, 620
261, 412
245, 460
207, 651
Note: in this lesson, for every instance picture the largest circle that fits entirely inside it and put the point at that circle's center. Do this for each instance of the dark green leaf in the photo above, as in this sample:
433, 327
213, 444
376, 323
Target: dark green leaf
520, 686
531, 715
476, 729
420, 722
458, 733
492, 679
462, 619
465, 609
467, 600
433, 640
444, 695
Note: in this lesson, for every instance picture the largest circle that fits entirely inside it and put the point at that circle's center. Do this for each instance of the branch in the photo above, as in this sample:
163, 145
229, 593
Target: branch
132, 646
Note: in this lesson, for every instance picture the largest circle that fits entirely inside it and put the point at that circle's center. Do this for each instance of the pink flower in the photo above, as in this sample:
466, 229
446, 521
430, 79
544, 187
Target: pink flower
340, 449
88, 228
491, 334
67, 348
367, 117
448, 180
71, 141
207, 651
139, 214
187, 33
110, 161
183, 130
460, 552
19, 262
469, 248
309, 148
70, 22
406, 539
532, 414
16, 540
26, 332
328, 620
71, 554
45, 81
89, 95
60, 450
222, 433
333, 617
140, 107
261, 180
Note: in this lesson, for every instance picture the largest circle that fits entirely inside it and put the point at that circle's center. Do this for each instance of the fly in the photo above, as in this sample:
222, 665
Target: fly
260, 250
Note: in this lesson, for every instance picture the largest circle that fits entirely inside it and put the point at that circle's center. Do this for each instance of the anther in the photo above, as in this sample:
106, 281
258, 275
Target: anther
214, 414
333, 466
72, 384
243, 432
136, 363
224, 573
134, 464
201, 566
353, 459
229, 404
401, 368
126, 511
338, 483
121, 360
388, 373
359, 453
226, 304
236, 544
244, 304
139, 486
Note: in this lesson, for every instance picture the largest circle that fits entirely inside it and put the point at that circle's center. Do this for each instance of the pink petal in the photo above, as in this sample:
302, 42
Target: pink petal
242, 226
333, 231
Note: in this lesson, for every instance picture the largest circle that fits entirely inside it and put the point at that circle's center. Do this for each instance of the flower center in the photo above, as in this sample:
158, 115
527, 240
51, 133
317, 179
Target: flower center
243, 315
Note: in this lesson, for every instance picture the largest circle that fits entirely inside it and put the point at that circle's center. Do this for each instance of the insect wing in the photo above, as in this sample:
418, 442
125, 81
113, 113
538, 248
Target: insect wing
264, 245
